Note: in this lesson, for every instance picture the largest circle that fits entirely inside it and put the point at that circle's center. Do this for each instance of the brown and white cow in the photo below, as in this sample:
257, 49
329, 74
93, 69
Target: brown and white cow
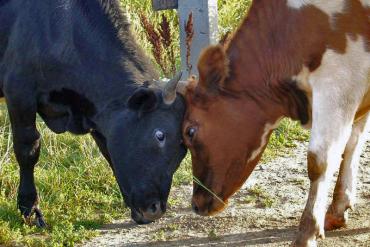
308, 60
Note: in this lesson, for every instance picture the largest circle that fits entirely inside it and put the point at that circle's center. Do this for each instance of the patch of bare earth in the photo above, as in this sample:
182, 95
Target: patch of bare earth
265, 212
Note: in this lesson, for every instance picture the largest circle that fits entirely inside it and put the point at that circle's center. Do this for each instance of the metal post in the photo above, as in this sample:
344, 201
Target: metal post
205, 23
205, 20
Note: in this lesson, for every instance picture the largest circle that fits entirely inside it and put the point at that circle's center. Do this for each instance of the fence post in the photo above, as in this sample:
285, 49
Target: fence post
205, 20
205, 23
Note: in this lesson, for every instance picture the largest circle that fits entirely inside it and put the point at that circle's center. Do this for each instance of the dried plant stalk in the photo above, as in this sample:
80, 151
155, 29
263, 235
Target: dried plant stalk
162, 44
165, 32
154, 39
189, 30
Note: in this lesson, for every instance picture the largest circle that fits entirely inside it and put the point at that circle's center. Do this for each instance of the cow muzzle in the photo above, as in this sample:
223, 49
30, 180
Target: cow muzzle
153, 212
206, 204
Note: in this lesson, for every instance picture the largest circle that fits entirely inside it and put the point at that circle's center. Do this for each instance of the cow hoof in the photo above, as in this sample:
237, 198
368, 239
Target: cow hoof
37, 221
333, 222
40, 222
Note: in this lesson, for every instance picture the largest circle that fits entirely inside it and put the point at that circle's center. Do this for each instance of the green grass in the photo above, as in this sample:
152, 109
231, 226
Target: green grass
231, 13
260, 197
76, 186
284, 138
77, 189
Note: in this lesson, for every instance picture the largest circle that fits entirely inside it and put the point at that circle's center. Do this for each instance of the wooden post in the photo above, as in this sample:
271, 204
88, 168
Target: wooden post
205, 21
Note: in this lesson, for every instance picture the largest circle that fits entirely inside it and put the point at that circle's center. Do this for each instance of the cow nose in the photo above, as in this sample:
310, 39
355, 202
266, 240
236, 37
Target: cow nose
195, 207
154, 211
201, 204
155, 208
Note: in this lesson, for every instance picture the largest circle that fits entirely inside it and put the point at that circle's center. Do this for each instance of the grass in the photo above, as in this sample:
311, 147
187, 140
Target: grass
77, 189
76, 186
212, 235
284, 138
259, 197
231, 13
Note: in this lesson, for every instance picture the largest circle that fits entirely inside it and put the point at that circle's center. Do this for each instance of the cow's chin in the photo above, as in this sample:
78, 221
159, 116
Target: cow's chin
208, 205
217, 208
139, 218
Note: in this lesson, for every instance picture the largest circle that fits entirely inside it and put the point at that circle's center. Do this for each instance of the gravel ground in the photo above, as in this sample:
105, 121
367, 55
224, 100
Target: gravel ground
265, 212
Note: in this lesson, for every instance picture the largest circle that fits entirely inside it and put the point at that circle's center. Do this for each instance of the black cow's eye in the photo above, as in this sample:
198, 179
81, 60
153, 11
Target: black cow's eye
159, 135
191, 132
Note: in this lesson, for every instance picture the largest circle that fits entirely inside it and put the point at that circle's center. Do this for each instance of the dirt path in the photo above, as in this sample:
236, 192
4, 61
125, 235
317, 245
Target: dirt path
265, 212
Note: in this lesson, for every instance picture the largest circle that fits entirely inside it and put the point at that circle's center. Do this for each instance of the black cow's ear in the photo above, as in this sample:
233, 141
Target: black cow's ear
143, 100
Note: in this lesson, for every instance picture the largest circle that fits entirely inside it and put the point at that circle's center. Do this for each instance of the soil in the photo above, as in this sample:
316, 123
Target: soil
265, 212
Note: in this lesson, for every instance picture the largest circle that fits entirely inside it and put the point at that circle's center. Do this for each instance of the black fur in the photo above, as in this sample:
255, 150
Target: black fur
76, 63
297, 100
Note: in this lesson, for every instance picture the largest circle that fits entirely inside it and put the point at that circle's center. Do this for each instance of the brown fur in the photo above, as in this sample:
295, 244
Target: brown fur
248, 84
314, 167
213, 67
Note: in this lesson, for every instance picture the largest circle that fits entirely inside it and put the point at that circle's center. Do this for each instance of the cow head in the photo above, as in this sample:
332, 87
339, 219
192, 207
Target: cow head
145, 147
226, 132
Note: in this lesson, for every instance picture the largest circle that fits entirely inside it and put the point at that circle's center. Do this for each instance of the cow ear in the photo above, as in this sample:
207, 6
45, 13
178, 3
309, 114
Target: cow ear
213, 67
143, 100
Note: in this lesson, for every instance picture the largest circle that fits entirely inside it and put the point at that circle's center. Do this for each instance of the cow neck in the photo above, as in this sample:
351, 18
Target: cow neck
110, 45
260, 64
117, 65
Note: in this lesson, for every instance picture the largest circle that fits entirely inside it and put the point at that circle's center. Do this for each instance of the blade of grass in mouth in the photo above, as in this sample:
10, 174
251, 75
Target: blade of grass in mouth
196, 180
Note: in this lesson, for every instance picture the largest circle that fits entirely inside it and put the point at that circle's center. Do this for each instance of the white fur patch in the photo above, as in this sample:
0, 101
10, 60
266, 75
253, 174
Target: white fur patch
350, 164
346, 73
365, 3
296, 4
330, 7
268, 128
341, 80
302, 79
338, 87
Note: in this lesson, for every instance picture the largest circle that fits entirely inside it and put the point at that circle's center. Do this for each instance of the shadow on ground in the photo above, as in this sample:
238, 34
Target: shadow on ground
251, 238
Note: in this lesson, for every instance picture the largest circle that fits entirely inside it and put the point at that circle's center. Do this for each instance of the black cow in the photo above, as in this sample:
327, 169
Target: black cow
76, 64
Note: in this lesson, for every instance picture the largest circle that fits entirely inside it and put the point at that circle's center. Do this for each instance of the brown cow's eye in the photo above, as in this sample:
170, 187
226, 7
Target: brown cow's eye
191, 132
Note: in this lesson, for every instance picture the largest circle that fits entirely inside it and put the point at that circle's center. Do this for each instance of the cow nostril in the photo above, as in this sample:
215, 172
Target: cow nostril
153, 211
155, 207
195, 208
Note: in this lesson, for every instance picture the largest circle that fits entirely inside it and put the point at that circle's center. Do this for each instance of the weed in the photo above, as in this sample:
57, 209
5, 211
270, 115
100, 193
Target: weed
283, 139
160, 235
76, 186
161, 42
189, 31
260, 197
212, 235
298, 181
171, 227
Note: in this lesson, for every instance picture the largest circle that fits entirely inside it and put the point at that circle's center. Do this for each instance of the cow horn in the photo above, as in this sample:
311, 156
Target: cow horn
169, 91
182, 87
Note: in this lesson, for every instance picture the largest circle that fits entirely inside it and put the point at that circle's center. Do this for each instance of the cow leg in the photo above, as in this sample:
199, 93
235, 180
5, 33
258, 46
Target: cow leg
22, 111
331, 128
344, 196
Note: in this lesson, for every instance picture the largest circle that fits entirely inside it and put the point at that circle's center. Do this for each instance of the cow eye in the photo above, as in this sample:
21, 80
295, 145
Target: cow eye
191, 132
159, 135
